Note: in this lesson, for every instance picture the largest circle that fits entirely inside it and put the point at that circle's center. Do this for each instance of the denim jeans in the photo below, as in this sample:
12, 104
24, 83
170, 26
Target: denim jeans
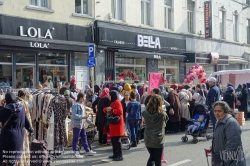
82, 133
133, 126
212, 117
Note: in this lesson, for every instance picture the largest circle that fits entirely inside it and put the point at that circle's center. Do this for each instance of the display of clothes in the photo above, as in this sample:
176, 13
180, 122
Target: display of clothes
58, 106
48, 117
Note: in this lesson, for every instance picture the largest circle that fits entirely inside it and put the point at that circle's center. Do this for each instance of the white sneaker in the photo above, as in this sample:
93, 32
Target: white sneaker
77, 155
90, 153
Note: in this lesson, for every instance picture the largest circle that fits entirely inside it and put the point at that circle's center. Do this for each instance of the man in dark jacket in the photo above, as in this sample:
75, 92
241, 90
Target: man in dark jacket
12, 134
66, 87
230, 97
244, 100
212, 96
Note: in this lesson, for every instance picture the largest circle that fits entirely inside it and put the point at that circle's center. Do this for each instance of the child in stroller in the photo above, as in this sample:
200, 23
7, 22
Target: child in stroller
198, 125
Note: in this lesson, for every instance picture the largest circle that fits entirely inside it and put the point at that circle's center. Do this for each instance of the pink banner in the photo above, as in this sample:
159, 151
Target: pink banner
155, 80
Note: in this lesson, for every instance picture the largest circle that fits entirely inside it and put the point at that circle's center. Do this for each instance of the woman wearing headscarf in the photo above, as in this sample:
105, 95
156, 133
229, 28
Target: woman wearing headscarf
230, 97
116, 130
101, 102
185, 114
90, 97
244, 100
87, 87
97, 90
164, 93
176, 106
15, 116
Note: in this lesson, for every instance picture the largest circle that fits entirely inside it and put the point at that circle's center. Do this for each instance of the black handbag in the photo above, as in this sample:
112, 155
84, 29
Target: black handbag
113, 119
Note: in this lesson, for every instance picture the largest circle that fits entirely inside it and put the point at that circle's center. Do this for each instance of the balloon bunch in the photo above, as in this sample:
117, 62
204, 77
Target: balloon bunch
193, 71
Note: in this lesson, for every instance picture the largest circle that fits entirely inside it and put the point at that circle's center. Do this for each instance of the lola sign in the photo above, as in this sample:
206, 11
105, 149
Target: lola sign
148, 42
39, 45
36, 33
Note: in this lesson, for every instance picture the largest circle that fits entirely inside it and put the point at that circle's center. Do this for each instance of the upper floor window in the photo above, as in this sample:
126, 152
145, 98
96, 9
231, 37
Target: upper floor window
248, 2
82, 7
190, 16
40, 3
235, 27
117, 7
145, 12
222, 16
248, 31
168, 8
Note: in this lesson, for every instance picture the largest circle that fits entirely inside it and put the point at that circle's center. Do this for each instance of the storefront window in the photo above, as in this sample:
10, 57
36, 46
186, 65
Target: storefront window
52, 75
172, 75
124, 60
53, 68
53, 58
25, 58
171, 62
5, 57
25, 76
161, 62
5, 75
131, 73
140, 61
81, 59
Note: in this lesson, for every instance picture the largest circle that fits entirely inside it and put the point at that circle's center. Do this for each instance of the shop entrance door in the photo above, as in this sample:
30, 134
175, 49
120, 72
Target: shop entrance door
82, 78
25, 76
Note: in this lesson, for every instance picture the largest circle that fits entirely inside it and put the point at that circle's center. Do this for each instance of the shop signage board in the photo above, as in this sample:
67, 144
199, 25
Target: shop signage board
208, 19
91, 62
139, 39
36, 33
91, 51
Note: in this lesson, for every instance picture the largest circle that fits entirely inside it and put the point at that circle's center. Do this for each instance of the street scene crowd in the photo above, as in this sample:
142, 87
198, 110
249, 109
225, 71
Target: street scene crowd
121, 111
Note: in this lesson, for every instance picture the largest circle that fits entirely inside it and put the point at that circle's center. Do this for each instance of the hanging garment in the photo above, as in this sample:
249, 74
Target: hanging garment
50, 133
59, 106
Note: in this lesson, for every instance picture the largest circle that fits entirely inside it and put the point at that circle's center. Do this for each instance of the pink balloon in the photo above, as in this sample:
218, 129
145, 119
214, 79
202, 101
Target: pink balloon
204, 74
185, 80
188, 76
191, 82
191, 74
188, 80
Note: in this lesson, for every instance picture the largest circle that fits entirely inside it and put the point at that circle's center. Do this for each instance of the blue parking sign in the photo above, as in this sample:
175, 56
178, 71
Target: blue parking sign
91, 50
91, 62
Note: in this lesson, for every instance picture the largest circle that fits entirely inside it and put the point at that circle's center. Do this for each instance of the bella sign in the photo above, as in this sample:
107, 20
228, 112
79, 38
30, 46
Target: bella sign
36, 33
148, 42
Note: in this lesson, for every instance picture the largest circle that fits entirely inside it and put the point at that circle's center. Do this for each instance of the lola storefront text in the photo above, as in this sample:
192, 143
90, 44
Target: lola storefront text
35, 51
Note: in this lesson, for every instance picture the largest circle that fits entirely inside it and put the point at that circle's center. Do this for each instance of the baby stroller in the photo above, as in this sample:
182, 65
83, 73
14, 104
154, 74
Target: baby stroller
201, 130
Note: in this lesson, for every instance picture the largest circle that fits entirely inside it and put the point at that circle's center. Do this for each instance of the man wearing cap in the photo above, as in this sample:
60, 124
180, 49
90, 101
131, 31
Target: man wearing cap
212, 96
66, 87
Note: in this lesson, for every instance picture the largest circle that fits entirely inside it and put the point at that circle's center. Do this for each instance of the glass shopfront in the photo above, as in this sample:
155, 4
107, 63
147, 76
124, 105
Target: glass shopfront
130, 69
170, 70
53, 68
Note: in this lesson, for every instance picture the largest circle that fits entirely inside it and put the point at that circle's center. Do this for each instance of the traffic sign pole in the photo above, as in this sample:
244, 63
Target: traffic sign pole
91, 62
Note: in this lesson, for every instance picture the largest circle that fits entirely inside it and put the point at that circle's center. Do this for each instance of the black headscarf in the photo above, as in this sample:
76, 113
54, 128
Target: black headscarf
10, 98
114, 95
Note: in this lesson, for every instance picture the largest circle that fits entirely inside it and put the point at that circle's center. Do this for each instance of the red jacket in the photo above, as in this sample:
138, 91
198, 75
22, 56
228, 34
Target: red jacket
116, 129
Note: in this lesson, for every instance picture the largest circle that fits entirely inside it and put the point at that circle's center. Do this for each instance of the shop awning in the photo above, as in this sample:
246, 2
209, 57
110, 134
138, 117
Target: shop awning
237, 60
226, 72
152, 55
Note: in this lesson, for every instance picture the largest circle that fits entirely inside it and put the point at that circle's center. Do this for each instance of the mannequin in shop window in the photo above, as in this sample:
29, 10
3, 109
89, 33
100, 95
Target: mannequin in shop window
5, 82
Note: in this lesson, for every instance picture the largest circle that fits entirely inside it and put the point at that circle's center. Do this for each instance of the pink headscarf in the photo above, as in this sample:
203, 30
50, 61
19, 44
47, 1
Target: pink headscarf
104, 93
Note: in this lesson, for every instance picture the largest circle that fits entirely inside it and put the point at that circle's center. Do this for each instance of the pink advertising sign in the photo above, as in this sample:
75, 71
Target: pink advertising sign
155, 80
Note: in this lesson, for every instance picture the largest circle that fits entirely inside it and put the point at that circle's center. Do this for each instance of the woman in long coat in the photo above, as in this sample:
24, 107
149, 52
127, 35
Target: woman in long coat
185, 114
10, 139
101, 102
176, 106
244, 100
